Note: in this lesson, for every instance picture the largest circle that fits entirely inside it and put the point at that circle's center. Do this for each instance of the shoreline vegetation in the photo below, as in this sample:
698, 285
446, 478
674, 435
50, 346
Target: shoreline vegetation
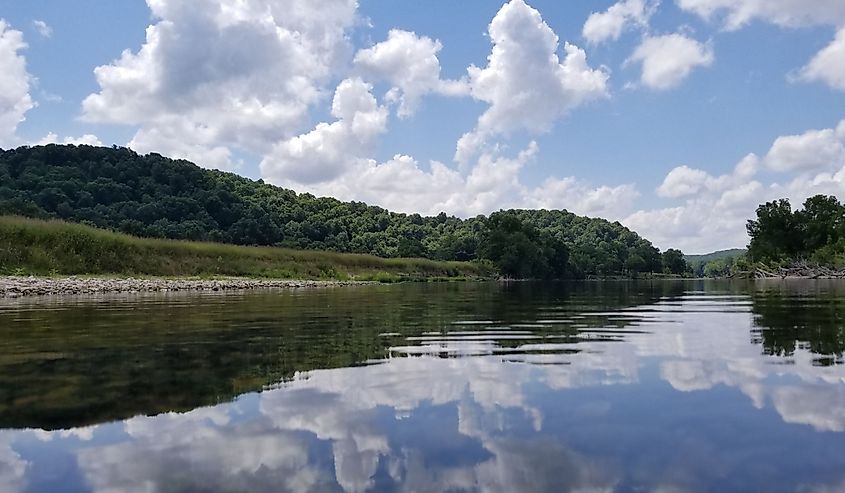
52, 249
795, 270
807, 243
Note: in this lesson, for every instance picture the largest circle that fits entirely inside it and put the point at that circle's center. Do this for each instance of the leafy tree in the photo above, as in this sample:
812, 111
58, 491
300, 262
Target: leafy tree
775, 233
674, 262
821, 222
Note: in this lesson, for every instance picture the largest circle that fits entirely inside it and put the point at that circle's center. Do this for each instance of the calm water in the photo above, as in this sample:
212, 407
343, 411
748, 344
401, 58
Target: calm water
667, 386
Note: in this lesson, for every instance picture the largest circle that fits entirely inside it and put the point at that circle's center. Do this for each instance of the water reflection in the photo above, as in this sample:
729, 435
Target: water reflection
73, 362
591, 387
790, 316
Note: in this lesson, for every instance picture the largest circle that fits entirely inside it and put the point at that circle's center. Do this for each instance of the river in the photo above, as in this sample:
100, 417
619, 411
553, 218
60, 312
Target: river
670, 386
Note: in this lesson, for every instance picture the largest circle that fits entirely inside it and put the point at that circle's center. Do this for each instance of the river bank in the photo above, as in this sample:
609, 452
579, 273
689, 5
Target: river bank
52, 249
17, 287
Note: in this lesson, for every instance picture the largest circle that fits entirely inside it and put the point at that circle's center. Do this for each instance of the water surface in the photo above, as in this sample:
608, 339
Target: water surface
663, 386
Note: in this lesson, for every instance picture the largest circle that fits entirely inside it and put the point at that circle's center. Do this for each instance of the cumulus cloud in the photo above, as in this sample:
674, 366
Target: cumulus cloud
493, 182
716, 208
43, 28
167, 137
409, 62
814, 149
714, 211
15, 99
217, 74
331, 149
525, 83
52, 138
669, 59
609, 25
580, 197
787, 13
828, 65
403, 185
682, 181
335, 158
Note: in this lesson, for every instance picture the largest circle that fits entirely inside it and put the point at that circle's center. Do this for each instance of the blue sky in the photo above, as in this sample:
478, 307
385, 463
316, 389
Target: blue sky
675, 117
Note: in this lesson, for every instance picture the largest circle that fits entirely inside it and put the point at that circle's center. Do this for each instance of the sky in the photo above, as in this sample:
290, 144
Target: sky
675, 117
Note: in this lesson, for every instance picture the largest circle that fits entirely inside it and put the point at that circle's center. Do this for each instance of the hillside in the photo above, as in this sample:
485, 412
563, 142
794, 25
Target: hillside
721, 254
715, 264
155, 197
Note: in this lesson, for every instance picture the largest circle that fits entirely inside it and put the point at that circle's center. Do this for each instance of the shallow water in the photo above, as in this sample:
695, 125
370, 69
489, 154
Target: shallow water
665, 386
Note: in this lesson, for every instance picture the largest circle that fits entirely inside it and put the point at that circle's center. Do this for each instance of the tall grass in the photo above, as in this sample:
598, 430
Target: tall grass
36, 247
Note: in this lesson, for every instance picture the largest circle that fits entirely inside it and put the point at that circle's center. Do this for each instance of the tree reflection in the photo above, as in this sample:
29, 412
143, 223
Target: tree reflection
80, 361
794, 316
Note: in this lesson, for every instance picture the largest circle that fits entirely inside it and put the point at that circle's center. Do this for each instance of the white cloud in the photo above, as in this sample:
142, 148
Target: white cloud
334, 158
43, 28
787, 13
667, 60
218, 74
682, 181
525, 83
609, 25
167, 137
330, 149
714, 212
814, 149
716, 208
15, 99
401, 184
580, 197
828, 65
409, 62
52, 138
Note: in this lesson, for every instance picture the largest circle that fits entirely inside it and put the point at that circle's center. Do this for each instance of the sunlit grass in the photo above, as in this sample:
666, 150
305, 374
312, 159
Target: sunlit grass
37, 247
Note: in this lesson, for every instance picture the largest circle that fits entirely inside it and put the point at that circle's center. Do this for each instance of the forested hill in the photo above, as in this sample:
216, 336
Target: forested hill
153, 196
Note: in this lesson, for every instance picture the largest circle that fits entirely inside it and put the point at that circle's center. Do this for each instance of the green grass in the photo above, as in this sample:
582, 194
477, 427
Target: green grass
55, 248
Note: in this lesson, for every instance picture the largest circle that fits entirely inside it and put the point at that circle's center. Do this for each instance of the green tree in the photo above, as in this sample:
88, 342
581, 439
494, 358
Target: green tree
822, 221
674, 262
776, 233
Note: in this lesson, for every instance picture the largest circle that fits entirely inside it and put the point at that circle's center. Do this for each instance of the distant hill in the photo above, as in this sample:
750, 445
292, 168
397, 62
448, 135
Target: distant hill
698, 262
707, 257
152, 196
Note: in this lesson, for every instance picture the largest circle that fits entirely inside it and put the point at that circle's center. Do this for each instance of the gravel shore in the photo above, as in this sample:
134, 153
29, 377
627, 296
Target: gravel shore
16, 287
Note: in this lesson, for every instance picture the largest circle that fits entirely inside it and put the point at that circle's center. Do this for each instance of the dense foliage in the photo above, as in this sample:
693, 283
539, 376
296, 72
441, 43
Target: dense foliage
153, 196
816, 232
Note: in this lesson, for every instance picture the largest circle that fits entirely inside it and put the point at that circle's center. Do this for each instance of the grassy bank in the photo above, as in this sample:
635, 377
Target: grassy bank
35, 247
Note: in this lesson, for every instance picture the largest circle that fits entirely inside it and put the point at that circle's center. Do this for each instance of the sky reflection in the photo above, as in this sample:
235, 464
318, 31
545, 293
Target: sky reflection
680, 397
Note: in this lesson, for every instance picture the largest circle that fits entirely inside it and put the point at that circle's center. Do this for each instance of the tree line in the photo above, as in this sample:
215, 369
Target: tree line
815, 233
154, 196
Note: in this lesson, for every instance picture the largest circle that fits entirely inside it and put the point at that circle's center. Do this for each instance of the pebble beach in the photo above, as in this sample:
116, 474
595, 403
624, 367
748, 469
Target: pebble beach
16, 287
